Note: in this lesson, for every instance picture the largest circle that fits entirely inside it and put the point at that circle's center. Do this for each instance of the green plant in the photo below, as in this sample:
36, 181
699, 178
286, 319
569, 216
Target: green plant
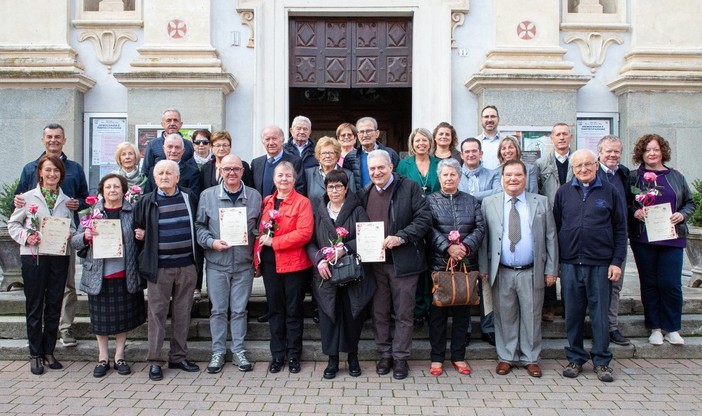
696, 218
7, 195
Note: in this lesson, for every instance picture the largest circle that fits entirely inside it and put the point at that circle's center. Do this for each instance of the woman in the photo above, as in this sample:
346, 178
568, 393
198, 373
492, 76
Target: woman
127, 157
660, 262
44, 276
203, 150
221, 142
508, 149
452, 210
347, 135
114, 288
445, 142
327, 151
280, 256
343, 308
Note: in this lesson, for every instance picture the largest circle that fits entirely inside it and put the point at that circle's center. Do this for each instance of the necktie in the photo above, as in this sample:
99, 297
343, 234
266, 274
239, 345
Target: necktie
515, 227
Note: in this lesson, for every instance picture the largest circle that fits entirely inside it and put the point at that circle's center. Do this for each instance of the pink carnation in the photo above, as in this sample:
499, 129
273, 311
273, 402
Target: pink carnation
454, 236
91, 200
33, 209
650, 177
342, 232
135, 190
273, 214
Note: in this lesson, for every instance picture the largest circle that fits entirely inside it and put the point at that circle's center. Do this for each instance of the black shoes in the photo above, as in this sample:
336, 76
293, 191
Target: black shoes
155, 373
101, 368
354, 366
401, 370
488, 337
52, 362
36, 365
315, 316
275, 365
184, 365
332, 367
263, 318
122, 367
384, 366
617, 338
294, 365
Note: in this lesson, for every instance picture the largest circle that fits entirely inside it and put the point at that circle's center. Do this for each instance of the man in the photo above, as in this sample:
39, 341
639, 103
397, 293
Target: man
171, 123
167, 259
490, 137
173, 149
591, 222
522, 260
262, 167
551, 172
300, 144
75, 187
610, 154
400, 204
480, 182
357, 160
229, 266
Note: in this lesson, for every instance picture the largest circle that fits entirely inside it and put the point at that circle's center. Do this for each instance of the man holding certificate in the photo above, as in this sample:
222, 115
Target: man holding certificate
226, 219
398, 203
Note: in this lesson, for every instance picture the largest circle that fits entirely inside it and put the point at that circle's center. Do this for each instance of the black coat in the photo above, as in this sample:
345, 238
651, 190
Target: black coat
352, 162
208, 177
360, 293
258, 165
460, 212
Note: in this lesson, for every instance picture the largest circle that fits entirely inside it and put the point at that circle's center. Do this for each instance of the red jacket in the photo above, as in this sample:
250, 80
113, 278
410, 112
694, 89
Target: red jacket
295, 228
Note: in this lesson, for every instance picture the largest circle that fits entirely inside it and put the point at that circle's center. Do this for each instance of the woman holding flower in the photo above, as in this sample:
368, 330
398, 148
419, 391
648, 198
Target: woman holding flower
457, 231
659, 262
44, 276
115, 291
280, 256
342, 308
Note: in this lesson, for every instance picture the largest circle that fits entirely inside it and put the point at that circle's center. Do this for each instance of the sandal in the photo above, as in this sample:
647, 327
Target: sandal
462, 367
435, 369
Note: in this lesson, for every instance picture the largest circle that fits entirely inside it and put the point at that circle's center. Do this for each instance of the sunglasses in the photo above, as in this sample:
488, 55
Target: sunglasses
201, 142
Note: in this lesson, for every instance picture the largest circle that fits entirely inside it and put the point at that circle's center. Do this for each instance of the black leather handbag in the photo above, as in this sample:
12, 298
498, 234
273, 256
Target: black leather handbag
347, 269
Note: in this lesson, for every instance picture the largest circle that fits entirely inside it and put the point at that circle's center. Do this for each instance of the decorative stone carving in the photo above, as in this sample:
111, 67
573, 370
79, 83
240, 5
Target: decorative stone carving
589, 6
247, 18
458, 17
593, 47
108, 44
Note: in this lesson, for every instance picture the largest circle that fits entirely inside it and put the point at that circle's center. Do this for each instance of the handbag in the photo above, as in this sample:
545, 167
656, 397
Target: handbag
347, 269
455, 288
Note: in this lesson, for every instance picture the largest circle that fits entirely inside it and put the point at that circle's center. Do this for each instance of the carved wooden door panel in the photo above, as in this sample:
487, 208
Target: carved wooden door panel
350, 53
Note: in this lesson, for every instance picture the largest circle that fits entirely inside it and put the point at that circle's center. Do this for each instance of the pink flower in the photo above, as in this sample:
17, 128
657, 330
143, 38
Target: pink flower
454, 236
273, 214
342, 232
33, 209
650, 177
91, 200
135, 190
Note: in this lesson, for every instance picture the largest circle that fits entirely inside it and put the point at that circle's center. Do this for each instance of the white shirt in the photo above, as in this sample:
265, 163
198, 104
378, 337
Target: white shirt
524, 249
490, 147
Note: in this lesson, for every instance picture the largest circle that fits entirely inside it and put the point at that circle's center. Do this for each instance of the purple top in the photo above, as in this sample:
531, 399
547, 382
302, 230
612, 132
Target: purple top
667, 196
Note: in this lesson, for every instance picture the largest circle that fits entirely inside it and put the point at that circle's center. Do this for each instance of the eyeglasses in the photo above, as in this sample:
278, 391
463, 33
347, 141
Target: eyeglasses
201, 142
222, 146
229, 170
335, 188
364, 132
587, 165
327, 154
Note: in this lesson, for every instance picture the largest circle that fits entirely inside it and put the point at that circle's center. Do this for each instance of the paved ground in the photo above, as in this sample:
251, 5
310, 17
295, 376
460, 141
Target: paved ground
641, 387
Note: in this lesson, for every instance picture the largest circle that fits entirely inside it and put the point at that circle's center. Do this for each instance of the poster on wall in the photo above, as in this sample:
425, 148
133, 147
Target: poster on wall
534, 140
103, 132
144, 133
591, 127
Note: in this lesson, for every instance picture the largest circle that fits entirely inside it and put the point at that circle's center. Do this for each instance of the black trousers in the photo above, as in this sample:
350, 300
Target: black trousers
344, 333
285, 294
44, 284
438, 323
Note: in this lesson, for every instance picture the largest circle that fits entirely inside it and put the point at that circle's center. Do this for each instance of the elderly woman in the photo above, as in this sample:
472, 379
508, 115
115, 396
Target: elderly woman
44, 276
285, 229
347, 135
203, 149
210, 174
342, 307
445, 142
659, 262
452, 210
327, 151
508, 149
115, 291
127, 158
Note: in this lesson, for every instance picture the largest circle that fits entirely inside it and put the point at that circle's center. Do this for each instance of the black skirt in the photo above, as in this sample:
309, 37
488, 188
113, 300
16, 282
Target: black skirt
115, 310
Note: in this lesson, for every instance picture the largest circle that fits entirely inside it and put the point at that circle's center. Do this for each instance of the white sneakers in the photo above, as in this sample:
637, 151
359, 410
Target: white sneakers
674, 338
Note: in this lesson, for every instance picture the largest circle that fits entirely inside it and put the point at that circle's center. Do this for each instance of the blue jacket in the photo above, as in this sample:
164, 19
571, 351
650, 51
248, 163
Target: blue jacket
591, 229
154, 152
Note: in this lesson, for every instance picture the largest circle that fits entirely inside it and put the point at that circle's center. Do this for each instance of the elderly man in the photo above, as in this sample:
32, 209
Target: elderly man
173, 149
300, 144
591, 222
229, 264
522, 260
171, 123
400, 204
75, 187
551, 172
490, 137
167, 259
262, 167
357, 160
610, 154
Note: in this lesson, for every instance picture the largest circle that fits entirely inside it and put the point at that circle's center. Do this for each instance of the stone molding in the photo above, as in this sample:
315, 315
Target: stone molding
477, 83
45, 79
593, 46
535, 60
108, 44
247, 18
178, 80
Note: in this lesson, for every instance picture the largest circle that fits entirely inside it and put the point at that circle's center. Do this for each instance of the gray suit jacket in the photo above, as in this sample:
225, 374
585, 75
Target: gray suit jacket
489, 182
543, 229
547, 176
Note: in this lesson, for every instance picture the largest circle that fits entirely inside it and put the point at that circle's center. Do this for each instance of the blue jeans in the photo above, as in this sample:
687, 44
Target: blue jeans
660, 268
586, 287
228, 291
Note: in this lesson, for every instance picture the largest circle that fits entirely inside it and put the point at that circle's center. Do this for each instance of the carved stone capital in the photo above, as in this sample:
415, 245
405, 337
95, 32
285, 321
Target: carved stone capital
108, 44
458, 17
593, 46
247, 18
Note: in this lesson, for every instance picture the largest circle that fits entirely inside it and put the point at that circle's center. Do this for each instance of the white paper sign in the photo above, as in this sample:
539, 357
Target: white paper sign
107, 241
54, 236
233, 226
658, 224
369, 241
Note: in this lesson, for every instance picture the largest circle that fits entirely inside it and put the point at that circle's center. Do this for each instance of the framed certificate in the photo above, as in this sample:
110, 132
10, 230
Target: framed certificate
658, 224
233, 226
107, 241
369, 241
54, 235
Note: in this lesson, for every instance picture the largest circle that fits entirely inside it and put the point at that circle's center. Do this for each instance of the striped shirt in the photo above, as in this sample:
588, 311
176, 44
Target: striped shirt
175, 239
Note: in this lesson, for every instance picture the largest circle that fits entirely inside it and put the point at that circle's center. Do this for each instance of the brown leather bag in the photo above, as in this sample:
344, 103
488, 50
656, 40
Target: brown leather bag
455, 288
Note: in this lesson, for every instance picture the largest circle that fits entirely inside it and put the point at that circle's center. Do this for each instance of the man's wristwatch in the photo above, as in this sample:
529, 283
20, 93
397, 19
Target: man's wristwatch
402, 240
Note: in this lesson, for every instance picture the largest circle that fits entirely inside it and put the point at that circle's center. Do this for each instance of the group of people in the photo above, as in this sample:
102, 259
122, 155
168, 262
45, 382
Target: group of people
476, 202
